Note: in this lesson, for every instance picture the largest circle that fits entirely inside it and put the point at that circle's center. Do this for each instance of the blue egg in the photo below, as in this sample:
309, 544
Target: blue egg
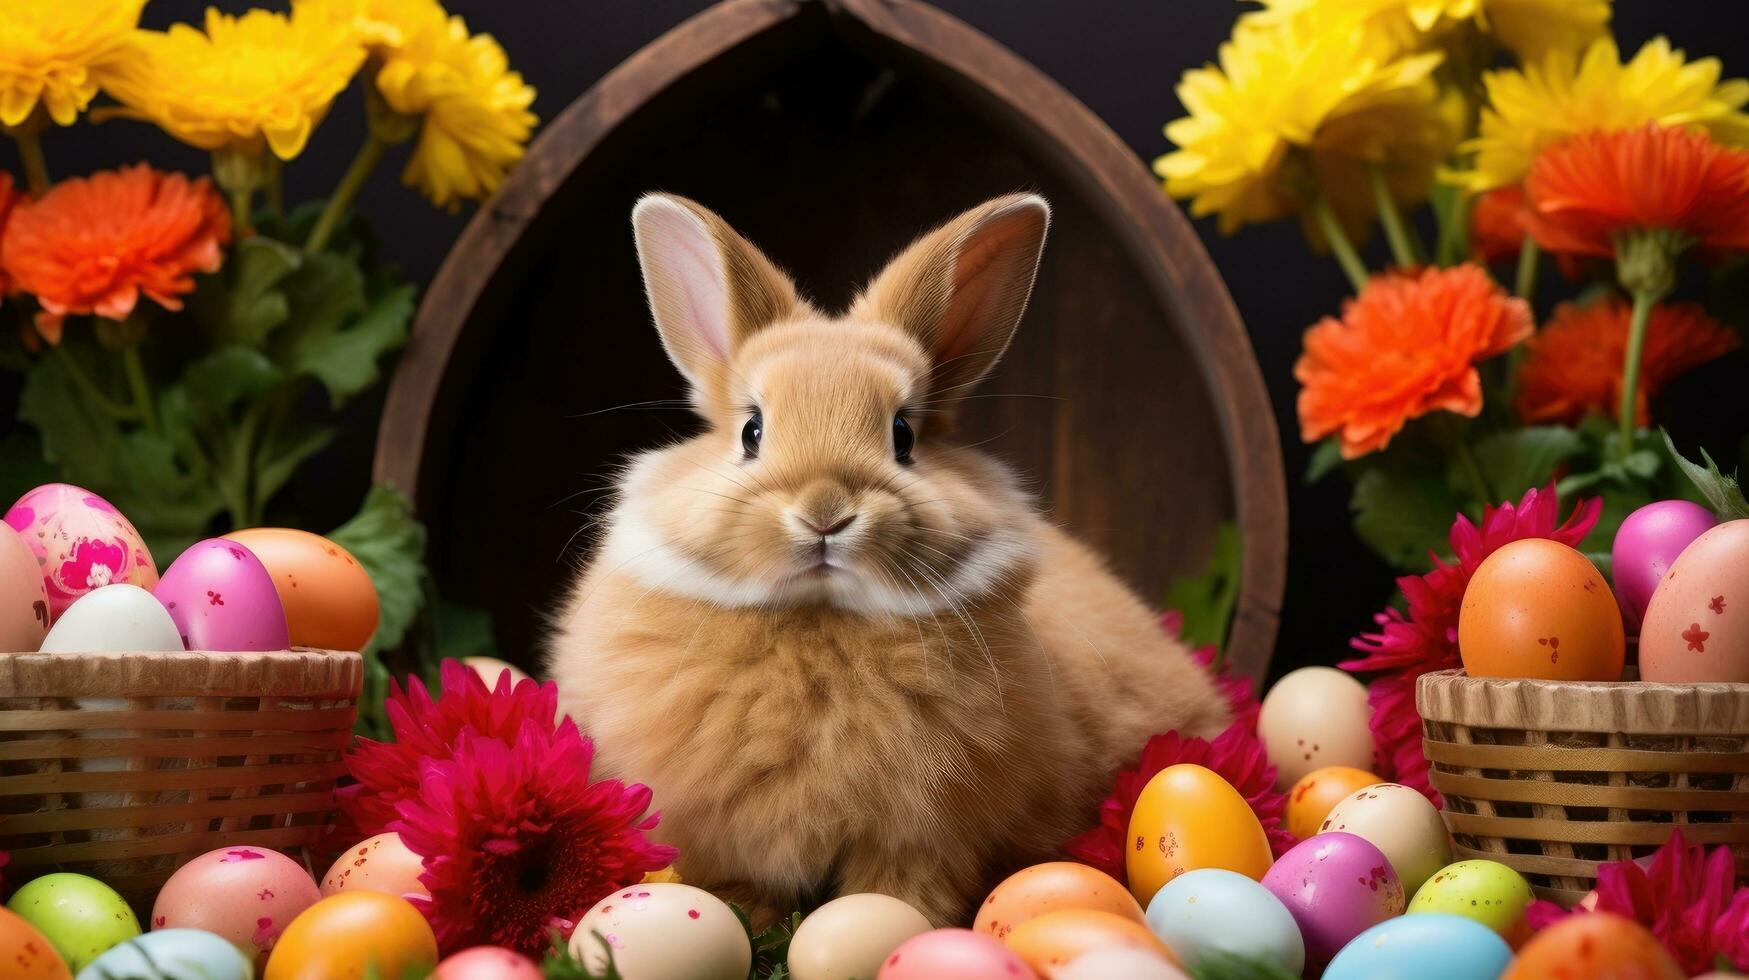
1213, 911
171, 954
1434, 946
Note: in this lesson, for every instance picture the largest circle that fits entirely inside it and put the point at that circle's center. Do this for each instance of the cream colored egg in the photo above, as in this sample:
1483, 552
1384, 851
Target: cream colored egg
1118, 961
848, 937
1312, 718
663, 932
1399, 822
490, 669
24, 605
114, 617
381, 864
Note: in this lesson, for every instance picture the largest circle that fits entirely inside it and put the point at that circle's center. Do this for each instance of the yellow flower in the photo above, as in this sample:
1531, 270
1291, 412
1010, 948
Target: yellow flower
53, 52
1529, 27
260, 76
1564, 94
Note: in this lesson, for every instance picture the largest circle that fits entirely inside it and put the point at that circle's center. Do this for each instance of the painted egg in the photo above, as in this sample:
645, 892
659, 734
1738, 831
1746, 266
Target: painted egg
1646, 545
676, 932
246, 895
381, 864
222, 598
1312, 718
343, 936
487, 963
80, 916
850, 937
171, 954
1423, 947
1048, 887
1188, 817
1400, 822
81, 542
954, 954
1486, 891
1212, 911
490, 669
1597, 946
1119, 961
329, 600
1697, 625
26, 952
115, 617
1049, 942
1318, 792
24, 603
1336, 886
1537, 608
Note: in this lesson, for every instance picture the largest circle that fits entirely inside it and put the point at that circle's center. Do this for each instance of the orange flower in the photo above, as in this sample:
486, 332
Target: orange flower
94, 244
1585, 192
1575, 362
8, 197
1497, 224
1405, 347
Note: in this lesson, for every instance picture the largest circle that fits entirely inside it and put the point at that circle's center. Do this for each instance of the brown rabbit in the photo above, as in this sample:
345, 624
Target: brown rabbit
847, 653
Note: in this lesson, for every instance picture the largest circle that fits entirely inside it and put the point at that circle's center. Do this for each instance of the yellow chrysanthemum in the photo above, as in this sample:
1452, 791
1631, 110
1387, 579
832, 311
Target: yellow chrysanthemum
260, 76
53, 52
1529, 27
1564, 94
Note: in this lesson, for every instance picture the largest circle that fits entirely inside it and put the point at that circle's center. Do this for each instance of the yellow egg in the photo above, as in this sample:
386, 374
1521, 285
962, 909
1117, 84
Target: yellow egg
1188, 817
330, 602
1312, 718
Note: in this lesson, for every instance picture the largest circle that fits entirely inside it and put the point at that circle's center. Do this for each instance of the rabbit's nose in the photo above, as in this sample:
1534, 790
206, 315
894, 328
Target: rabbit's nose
827, 528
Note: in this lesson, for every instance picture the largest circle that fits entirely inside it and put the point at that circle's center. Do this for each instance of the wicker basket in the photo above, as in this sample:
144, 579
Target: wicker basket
1555, 777
121, 765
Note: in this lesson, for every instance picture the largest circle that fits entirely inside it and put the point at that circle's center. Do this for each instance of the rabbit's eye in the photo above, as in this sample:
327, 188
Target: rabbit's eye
750, 435
903, 439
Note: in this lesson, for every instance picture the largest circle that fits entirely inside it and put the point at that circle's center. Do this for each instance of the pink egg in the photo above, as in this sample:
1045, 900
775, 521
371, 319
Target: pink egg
954, 954
1337, 886
1646, 544
24, 604
222, 598
81, 542
1696, 628
246, 895
380, 864
487, 963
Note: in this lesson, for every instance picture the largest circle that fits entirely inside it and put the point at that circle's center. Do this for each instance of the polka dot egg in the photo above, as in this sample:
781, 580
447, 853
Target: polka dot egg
246, 895
666, 930
380, 864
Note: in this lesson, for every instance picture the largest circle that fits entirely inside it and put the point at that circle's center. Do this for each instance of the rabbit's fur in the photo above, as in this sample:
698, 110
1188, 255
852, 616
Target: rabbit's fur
915, 703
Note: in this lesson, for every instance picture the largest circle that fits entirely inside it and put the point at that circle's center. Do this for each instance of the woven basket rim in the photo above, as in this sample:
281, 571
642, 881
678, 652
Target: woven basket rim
1628, 707
299, 672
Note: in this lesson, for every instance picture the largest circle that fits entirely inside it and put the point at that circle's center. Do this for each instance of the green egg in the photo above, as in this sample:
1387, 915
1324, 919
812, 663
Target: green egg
80, 916
1487, 891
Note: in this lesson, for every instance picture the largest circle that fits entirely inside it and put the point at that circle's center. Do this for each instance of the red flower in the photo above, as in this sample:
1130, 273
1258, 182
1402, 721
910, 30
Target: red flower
517, 841
1497, 225
8, 197
1237, 690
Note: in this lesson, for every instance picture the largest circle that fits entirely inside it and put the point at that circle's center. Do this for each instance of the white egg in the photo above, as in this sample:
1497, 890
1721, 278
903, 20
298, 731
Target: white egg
1118, 961
849, 937
663, 931
1213, 912
112, 618
1312, 718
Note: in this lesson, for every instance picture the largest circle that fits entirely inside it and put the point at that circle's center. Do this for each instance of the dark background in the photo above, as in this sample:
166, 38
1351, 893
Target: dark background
1120, 57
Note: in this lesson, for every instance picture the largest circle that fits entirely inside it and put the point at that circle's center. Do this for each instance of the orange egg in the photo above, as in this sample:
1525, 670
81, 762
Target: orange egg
1188, 817
25, 954
1051, 941
1597, 946
328, 597
1537, 608
1050, 887
345, 935
1318, 792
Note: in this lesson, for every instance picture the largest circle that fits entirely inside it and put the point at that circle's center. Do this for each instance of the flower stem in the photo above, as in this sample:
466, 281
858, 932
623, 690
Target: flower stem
275, 190
83, 382
1628, 415
1340, 246
142, 390
1405, 248
30, 153
369, 155
242, 201
1528, 261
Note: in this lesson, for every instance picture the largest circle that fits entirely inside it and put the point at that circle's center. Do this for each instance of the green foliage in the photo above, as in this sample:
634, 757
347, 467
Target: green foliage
770, 946
561, 965
1402, 513
1721, 492
1515, 460
1208, 598
1229, 966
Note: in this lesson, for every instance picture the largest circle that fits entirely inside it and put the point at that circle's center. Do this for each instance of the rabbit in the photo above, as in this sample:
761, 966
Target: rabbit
847, 653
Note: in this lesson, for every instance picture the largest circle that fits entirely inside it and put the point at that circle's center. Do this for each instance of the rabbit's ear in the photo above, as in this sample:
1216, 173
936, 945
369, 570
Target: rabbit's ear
709, 288
961, 289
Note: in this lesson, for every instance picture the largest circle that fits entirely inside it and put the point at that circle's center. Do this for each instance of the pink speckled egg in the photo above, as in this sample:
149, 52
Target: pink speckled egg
954, 954
222, 598
1697, 624
380, 864
1646, 545
81, 542
24, 604
246, 895
487, 963
1337, 886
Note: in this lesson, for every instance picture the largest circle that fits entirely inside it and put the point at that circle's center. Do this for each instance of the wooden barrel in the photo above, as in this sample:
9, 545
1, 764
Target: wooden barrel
830, 133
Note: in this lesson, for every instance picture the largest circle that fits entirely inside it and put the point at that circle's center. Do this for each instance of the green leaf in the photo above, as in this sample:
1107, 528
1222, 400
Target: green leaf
221, 379
389, 542
1207, 599
1221, 965
1324, 459
1403, 516
345, 360
1518, 459
561, 965
244, 303
1722, 492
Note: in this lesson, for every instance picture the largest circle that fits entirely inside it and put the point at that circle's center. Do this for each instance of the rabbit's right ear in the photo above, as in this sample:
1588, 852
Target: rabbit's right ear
709, 288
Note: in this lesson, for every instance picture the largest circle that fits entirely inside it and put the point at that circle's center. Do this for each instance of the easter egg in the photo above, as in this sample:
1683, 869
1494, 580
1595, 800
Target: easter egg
1697, 625
1336, 886
851, 936
1318, 792
490, 669
81, 542
80, 916
1048, 887
26, 952
1213, 911
1049, 942
1119, 961
677, 932
24, 603
1645, 547
1597, 946
487, 963
343, 936
1400, 822
171, 954
381, 864
329, 600
246, 895
1486, 891
115, 617
1435, 946
1312, 718
1537, 608
1188, 817
954, 954
222, 598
